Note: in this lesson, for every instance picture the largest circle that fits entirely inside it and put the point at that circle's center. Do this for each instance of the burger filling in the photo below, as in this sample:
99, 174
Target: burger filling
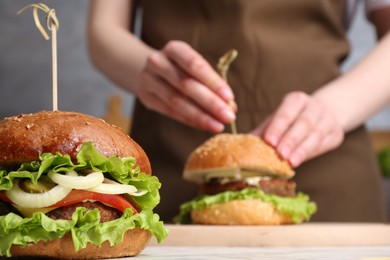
281, 187
106, 213
225, 185
43, 200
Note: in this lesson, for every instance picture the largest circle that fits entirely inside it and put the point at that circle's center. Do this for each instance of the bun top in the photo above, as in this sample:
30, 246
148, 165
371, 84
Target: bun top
235, 151
24, 137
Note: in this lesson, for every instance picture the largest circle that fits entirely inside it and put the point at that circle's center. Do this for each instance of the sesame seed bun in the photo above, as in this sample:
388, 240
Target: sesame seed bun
235, 151
24, 137
241, 212
134, 241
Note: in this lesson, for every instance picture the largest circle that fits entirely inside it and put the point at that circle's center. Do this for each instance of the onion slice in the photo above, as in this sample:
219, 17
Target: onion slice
75, 181
112, 187
36, 200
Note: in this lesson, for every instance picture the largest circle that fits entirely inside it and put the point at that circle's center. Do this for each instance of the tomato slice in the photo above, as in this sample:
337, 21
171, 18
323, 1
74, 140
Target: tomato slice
4, 197
115, 201
76, 196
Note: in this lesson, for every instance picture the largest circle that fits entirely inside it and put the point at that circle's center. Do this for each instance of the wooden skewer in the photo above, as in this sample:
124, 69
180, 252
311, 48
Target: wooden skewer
52, 24
223, 67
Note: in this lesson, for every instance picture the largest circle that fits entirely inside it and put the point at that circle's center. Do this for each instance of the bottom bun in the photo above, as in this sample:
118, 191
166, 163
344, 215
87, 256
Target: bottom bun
240, 212
134, 241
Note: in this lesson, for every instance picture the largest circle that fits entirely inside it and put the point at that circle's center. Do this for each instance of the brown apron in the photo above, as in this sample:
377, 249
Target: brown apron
283, 46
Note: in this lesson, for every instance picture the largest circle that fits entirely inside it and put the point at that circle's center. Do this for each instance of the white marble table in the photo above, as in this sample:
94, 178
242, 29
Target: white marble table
265, 253
333, 241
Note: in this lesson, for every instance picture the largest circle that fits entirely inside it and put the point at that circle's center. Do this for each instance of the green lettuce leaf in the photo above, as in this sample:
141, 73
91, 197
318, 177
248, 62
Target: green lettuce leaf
85, 227
299, 207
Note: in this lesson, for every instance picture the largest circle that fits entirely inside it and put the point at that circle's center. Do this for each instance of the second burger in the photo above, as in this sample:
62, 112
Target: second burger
242, 181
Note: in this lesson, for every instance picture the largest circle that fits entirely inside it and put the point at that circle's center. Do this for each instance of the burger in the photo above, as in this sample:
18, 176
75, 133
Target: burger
74, 187
242, 181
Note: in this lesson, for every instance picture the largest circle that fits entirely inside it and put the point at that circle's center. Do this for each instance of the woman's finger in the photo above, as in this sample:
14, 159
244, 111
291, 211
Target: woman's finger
324, 136
197, 67
159, 65
260, 129
300, 129
207, 100
176, 105
285, 115
305, 149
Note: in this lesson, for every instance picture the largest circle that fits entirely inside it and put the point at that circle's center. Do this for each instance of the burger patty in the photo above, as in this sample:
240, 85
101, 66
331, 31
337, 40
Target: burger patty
106, 213
285, 188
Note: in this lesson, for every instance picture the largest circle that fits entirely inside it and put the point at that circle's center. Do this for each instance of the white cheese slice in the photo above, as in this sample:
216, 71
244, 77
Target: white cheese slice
28, 212
223, 174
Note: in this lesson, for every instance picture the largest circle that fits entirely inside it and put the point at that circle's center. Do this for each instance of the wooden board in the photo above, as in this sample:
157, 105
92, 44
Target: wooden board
303, 235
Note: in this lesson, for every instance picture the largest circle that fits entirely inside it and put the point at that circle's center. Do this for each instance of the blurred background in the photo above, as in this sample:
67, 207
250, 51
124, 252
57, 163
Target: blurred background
25, 64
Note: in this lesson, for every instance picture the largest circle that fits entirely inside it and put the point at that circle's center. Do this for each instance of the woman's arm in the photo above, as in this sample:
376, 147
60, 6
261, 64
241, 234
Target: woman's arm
116, 52
365, 89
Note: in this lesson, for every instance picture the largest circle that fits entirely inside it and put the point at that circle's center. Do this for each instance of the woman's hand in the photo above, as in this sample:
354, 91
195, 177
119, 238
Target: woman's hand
179, 83
301, 128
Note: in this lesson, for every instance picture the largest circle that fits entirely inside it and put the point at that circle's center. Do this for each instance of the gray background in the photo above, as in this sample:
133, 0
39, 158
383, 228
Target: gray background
25, 63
